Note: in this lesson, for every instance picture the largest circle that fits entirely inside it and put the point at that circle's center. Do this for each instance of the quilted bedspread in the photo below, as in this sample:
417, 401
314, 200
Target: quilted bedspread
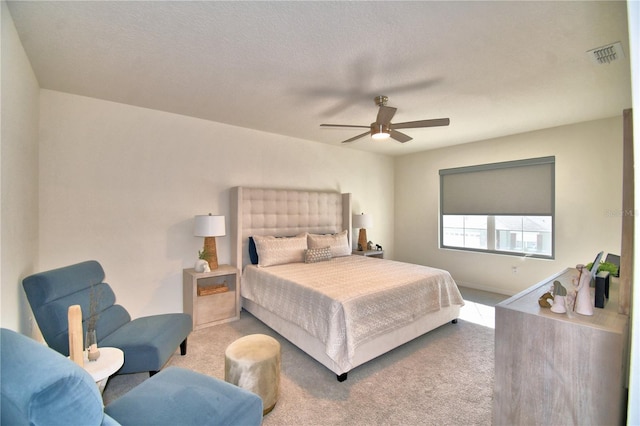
349, 300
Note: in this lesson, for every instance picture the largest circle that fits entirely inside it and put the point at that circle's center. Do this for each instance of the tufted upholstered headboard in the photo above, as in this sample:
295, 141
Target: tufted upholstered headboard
284, 212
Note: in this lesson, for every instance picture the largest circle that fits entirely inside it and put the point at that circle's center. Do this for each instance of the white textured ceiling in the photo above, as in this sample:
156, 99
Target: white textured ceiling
494, 68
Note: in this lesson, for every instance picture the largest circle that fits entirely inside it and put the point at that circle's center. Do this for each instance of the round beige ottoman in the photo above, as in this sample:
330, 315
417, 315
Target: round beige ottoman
253, 363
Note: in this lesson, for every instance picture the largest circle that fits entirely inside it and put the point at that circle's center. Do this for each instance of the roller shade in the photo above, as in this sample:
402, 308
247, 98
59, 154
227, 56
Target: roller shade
523, 187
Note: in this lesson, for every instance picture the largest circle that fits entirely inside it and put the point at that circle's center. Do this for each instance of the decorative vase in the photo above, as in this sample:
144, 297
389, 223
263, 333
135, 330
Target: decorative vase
91, 343
202, 266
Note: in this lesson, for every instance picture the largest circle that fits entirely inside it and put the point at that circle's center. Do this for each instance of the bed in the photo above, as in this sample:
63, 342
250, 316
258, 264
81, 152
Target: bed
299, 278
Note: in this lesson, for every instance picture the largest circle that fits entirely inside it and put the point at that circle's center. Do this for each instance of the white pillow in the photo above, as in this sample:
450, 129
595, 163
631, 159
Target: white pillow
339, 243
277, 251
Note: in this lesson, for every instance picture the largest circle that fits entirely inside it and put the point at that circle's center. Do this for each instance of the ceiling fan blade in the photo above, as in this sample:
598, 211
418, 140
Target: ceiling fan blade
400, 137
345, 125
356, 137
421, 123
385, 114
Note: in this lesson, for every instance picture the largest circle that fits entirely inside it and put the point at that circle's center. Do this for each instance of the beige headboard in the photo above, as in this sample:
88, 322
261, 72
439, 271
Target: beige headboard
284, 212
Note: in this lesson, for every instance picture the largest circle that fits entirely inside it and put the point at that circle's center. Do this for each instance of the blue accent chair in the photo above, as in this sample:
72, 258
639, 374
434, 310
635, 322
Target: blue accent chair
147, 342
39, 386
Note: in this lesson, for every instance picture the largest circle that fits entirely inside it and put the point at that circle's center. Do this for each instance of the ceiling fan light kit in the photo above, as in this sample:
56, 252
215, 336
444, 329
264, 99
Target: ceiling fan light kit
379, 131
383, 128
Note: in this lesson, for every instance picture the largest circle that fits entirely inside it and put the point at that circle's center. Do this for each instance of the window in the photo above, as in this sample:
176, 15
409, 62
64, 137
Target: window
503, 208
465, 231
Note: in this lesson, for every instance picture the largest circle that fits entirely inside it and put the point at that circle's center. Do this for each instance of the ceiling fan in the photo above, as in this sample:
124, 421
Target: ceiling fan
383, 128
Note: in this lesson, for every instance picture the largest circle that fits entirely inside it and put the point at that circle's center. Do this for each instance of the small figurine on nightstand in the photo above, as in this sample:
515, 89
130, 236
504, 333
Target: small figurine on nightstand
378, 247
369, 245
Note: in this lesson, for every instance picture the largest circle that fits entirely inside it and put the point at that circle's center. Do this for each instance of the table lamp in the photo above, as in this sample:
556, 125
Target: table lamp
362, 221
209, 227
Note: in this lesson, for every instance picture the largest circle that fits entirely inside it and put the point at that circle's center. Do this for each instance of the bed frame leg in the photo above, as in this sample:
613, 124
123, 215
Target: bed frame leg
342, 377
454, 321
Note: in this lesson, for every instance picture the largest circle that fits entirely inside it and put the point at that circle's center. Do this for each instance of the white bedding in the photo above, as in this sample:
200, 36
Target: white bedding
348, 301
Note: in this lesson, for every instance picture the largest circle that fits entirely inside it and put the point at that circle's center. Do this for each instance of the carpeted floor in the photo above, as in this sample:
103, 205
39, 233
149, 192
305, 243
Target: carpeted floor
442, 378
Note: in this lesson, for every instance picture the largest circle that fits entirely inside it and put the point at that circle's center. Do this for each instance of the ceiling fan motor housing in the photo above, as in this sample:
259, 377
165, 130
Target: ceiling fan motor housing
381, 100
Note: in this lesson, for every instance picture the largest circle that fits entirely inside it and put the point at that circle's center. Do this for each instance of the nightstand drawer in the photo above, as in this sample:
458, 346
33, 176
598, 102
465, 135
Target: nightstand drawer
216, 307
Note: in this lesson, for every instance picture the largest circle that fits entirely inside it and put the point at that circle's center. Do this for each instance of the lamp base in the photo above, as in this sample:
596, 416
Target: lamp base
362, 239
210, 252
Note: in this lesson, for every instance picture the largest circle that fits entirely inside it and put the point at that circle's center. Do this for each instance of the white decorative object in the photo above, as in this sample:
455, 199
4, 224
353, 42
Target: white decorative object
583, 304
559, 305
559, 294
202, 266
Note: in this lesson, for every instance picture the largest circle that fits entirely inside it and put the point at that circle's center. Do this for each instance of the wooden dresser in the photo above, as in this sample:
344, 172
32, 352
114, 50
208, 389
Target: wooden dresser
559, 369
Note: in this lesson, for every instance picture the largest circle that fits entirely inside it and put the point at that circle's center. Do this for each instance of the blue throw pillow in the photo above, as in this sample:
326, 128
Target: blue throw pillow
253, 252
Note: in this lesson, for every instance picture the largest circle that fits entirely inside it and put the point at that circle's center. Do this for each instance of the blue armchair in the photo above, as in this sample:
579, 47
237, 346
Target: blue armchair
147, 342
40, 386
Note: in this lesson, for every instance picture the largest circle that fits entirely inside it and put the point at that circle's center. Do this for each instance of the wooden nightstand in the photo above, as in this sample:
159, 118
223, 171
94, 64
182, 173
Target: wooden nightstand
369, 253
211, 297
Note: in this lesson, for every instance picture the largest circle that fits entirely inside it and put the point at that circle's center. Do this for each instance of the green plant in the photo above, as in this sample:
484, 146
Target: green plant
202, 254
605, 266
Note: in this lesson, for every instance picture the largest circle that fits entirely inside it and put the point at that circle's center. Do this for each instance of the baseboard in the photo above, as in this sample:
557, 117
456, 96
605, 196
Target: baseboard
485, 288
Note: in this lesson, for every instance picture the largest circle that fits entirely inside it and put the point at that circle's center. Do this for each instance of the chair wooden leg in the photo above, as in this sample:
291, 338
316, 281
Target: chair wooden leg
183, 347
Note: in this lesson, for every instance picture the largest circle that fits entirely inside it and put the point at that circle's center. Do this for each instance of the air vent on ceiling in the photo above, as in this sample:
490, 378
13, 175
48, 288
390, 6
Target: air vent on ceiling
606, 54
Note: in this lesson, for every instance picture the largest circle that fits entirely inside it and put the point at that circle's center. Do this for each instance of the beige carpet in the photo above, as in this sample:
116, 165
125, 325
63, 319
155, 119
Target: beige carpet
442, 378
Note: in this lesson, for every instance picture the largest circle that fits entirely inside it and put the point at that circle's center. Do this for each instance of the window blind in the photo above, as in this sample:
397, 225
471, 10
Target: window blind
522, 187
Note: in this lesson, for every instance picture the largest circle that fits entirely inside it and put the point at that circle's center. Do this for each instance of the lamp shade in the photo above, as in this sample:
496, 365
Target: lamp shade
362, 221
209, 226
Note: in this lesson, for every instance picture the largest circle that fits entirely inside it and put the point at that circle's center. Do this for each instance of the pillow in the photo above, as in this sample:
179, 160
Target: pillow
277, 251
317, 254
339, 243
253, 251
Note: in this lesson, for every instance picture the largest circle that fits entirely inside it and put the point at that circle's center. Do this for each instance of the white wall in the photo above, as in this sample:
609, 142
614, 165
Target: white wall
19, 167
588, 203
121, 185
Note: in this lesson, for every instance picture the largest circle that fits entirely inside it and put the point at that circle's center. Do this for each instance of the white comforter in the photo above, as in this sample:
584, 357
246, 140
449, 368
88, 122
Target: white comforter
349, 300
